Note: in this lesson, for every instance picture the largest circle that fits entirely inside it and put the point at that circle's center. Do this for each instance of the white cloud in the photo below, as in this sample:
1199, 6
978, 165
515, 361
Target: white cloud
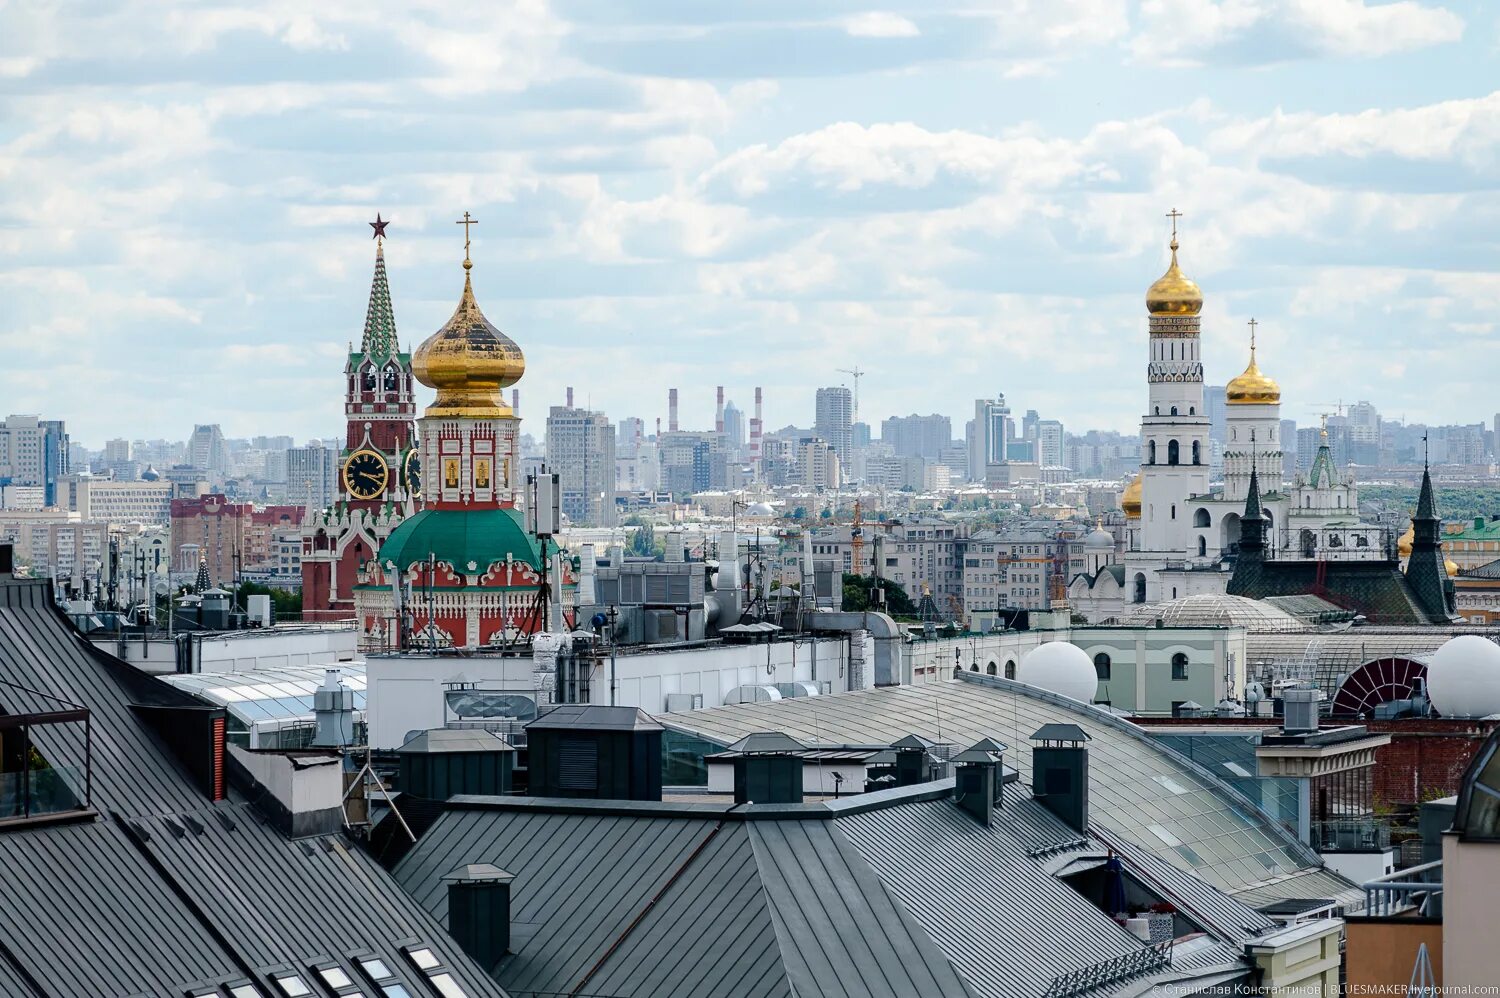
1192, 30
880, 24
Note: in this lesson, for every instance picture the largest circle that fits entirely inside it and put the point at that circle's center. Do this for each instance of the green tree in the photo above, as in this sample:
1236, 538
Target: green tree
643, 541
857, 596
285, 604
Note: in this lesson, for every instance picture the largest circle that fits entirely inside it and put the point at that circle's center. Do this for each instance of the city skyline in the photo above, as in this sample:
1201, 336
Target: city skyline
926, 203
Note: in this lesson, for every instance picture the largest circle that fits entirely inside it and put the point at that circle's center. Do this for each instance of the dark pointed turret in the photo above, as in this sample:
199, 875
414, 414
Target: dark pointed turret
1249, 563
1425, 572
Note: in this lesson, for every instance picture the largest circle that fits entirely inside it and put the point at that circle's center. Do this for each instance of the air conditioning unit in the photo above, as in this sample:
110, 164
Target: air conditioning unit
679, 702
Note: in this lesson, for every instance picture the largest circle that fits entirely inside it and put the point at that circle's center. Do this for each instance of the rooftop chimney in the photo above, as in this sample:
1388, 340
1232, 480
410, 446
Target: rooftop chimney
7, 559
913, 759
767, 768
719, 411
672, 410
570, 396
755, 438
595, 752
1060, 772
479, 912
977, 783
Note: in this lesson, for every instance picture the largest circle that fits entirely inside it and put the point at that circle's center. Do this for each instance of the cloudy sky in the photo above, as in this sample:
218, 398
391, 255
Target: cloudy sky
959, 198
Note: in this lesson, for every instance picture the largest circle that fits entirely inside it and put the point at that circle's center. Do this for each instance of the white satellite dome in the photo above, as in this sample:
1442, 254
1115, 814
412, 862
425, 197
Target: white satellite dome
1463, 678
1062, 668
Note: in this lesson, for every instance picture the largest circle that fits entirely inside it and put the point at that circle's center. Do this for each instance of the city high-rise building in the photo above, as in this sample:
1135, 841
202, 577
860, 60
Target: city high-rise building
734, 428
34, 451
917, 436
834, 420
206, 449
581, 451
990, 432
1218, 412
1049, 443
312, 475
818, 464
629, 433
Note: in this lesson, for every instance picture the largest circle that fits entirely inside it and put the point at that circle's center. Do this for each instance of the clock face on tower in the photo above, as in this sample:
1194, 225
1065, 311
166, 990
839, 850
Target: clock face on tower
366, 474
411, 474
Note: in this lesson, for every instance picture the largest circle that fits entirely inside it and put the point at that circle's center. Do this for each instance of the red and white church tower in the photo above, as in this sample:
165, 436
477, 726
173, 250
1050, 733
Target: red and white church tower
464, 571
379, 472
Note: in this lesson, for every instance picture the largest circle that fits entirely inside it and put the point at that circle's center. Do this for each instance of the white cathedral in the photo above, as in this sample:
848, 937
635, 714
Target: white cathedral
1182, 532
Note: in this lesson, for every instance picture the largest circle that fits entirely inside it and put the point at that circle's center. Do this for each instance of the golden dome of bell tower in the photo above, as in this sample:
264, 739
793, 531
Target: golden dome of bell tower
1174, 293
1252, 387
469, 360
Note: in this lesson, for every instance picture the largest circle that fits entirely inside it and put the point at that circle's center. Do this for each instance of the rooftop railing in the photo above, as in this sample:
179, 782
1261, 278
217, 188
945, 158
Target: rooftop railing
1416, 891
1351, 835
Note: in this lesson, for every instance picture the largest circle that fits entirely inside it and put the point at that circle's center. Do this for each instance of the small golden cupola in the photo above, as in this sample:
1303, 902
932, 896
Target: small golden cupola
1130, 502
1252, 387
469, 361
1174, 293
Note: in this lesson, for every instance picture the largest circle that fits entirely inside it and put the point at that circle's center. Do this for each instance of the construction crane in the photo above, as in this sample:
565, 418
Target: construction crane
856, 374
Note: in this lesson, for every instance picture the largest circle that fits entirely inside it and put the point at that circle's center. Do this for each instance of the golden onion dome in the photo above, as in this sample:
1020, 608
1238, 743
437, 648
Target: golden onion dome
1253, 387
1130, 502
1406, 540
1173, 293
469, 361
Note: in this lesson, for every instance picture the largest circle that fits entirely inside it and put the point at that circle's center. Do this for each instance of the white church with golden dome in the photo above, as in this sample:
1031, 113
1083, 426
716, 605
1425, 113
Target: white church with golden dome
1183, 532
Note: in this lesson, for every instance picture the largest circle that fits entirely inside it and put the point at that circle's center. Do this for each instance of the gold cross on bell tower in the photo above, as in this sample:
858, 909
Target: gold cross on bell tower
1174, 215
1253, 324
467, 221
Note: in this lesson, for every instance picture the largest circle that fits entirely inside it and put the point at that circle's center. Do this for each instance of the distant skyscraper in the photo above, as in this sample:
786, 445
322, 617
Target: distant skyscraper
629, 433
834, 420
34, 451
734, 427
991, 431
1049, 442
1216, 406
917, 436
1289, 444
312, 475
206, 450
859, 435
581, 450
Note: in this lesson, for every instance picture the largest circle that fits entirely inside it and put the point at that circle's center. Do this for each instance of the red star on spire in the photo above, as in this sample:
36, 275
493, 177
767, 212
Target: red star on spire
379, 226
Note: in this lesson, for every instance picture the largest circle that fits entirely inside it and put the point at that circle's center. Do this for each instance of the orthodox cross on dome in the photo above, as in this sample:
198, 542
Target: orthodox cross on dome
1174, 215
467, 221
379, 226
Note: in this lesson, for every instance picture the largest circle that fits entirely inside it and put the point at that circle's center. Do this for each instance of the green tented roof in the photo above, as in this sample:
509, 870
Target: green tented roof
460, 537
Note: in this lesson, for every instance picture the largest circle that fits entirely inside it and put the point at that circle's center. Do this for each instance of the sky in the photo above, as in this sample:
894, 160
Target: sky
957, 198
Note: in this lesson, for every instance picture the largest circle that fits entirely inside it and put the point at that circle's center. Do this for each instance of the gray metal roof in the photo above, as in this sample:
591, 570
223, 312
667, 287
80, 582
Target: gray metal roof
686, 904
1317, 883
1008, 925
763, 742
1060, 733
1139, 790
444, 740
166, 890
595, 718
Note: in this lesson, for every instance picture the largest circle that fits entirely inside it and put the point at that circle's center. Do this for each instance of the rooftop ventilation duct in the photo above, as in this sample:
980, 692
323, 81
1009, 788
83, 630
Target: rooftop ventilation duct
333, 713
1060, 772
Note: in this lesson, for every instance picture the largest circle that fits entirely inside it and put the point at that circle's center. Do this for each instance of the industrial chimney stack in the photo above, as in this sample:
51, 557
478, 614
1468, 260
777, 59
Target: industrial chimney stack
672, 410
755, 431
570, 396
719, 411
